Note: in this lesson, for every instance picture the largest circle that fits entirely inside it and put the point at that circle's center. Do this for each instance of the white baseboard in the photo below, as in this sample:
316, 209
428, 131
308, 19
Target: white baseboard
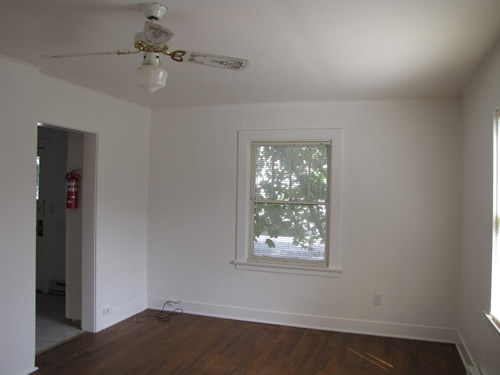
30, 371
368, 327
467, 358
123, 312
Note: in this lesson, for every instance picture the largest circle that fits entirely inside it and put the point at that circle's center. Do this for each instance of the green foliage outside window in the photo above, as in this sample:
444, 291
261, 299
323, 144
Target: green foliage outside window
290, 194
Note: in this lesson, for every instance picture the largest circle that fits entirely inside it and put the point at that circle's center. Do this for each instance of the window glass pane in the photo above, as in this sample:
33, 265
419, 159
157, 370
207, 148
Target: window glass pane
290, 231
300, 174
282, 160
319, 174
263, 172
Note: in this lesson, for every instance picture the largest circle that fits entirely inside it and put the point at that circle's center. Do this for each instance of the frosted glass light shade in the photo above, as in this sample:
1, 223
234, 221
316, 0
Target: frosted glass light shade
150, 77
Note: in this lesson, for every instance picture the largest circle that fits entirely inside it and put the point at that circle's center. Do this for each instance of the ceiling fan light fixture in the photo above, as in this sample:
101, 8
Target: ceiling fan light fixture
150, 76
152, 42
154, 11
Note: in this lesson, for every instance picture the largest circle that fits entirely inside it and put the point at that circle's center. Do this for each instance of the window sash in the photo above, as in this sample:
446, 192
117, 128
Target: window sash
293, 256
253, 170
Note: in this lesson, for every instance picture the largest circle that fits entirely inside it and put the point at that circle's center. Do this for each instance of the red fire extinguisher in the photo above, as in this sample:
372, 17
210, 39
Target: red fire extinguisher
72, 189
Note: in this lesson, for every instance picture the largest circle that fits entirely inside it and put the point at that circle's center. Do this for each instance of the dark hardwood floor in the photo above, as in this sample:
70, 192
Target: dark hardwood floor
190, 344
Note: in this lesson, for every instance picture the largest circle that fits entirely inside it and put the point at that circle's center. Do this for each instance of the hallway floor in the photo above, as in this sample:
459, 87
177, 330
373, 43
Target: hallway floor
52, 327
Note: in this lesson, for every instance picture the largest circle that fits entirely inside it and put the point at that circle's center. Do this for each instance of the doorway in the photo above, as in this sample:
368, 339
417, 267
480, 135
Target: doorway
64, 237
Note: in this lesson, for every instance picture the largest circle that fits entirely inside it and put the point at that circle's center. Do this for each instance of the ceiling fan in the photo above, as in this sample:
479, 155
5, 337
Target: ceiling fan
152, 42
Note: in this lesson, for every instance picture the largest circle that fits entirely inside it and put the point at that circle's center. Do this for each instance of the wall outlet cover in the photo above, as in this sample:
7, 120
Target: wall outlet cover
106, 310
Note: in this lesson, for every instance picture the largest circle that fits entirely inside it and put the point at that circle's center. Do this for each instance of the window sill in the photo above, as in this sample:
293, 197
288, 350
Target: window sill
493, 322
290, 269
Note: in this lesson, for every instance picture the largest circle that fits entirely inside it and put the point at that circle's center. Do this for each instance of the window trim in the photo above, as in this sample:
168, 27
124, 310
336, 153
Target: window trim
494, 316
494, 322
243, 226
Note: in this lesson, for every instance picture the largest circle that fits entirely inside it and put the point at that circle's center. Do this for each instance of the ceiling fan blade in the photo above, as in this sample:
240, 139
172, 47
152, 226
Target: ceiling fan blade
218, 61
156, 34
118, 52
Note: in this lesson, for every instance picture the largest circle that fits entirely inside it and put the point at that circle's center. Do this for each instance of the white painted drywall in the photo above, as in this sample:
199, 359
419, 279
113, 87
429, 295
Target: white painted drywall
122, 177
89, 227
74, 234
122, 129
481, 99
401, 196
18, 91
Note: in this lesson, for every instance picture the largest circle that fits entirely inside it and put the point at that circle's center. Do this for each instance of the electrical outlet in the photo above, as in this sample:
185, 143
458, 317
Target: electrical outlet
377, 299
106, 310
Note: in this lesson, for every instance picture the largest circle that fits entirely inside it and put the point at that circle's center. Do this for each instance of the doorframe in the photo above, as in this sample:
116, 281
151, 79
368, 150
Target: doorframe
89, 219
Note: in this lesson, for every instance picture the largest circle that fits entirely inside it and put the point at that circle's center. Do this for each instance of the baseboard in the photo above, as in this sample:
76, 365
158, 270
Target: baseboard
123, 312
368, 327
467, 359
30, 371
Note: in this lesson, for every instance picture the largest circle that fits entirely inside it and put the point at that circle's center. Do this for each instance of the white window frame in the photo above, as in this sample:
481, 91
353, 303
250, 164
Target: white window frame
243, 225
494, 313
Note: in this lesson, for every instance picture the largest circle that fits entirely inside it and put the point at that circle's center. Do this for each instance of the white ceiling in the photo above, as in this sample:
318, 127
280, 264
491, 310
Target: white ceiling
298, 50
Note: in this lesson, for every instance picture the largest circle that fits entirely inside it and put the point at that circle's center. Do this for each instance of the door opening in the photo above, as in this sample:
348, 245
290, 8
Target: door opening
64, 237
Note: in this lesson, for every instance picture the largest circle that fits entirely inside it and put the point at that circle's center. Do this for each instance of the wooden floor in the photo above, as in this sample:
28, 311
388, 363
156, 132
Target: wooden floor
190, 344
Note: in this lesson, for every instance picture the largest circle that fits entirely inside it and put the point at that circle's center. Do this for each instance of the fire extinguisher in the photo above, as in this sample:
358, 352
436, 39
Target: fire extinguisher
72, 189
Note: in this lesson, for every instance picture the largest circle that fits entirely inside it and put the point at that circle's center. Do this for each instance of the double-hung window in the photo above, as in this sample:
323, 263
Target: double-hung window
289, 201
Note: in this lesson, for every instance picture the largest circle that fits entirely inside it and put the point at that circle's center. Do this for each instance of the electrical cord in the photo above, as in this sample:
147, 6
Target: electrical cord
163, 315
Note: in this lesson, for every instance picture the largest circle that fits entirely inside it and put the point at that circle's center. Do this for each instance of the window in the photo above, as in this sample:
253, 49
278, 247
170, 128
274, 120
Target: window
495, 272
289, 201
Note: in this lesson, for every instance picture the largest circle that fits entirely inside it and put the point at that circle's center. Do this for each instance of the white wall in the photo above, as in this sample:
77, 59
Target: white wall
400, 217
17, 216
122, 176
481, 99
74, 234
